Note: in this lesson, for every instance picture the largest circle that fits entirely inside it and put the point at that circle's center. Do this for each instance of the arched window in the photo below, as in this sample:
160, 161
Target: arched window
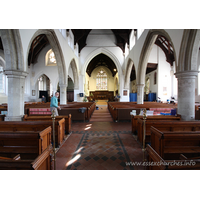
50, 58
101, 80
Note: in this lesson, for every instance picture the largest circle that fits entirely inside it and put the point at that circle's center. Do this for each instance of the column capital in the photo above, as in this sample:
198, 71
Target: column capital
140, 85
63, 85
187, 74
15, 73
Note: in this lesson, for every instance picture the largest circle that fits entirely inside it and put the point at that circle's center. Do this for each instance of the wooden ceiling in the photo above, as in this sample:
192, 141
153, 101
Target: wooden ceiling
36, 47
101, 60
122, 37
167, 48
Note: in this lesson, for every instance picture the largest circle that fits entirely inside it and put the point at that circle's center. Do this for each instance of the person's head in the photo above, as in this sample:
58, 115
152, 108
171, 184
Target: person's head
57, 94
42, 96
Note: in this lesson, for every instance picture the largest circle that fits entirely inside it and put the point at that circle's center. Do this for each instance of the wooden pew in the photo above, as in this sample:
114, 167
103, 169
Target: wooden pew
12, 126
166, 125
121, 110
67, 118
29, 144
170, 144
156, 162
17, 157
71, 108
134, 120
41, 162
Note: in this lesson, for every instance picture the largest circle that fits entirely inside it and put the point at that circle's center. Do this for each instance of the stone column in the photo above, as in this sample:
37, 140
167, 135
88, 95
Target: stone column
16, 84
63, 94
186, 94
140, 93
172, 80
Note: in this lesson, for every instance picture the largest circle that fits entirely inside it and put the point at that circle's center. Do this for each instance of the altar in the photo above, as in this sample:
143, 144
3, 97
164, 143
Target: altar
103, 95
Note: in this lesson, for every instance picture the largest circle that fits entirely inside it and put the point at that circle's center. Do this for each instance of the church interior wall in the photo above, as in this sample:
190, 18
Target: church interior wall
163, 78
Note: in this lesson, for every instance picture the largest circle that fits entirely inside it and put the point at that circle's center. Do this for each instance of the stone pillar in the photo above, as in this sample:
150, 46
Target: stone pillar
186, 94
140, 93
16, 84
63, 94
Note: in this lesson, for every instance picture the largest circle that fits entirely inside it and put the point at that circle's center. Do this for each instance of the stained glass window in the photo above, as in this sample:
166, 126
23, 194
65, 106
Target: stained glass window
101, 80
50, 58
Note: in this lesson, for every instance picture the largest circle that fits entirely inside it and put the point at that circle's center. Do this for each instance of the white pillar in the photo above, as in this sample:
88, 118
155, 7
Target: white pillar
186, 94
140, 93
16, 84
63, 94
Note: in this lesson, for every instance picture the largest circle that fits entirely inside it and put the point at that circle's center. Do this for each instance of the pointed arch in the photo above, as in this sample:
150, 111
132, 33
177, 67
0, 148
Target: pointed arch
13, 50
75, 74
146, 50
189, 49
55, 45
129, 67
107, 53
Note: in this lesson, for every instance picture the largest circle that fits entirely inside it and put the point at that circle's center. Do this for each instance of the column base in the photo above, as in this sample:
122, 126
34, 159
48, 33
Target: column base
13, 118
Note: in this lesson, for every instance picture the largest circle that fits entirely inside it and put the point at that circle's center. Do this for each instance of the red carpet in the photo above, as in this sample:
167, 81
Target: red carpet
101, 115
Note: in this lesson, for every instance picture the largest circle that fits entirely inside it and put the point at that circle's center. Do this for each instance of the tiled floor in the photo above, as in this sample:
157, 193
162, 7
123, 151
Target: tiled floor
99, 146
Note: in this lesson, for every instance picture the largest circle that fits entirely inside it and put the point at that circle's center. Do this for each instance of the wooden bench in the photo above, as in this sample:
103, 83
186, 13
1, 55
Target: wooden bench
75, 108
166, 125
170, 144
29, 144
156, 162
13, 126
41, 162
17, 157
121, 110
67, 118
134, 120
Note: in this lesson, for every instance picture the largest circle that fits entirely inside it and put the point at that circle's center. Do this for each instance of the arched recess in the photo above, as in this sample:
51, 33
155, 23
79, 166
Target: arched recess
75, 74
189, 51
146, 50
48, 87
13, 51
129, 68
55, 45
107, 53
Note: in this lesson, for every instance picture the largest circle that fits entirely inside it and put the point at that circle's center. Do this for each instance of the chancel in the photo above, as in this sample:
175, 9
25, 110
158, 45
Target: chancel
126, 96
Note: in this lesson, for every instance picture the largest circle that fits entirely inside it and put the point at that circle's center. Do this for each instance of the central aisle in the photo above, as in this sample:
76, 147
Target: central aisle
99, 146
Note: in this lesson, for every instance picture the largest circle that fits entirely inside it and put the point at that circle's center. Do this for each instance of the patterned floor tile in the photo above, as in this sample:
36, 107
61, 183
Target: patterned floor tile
101, 151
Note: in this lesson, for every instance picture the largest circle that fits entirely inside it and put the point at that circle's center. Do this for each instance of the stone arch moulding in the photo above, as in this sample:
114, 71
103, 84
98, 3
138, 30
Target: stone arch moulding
53, 40
107, 53
129, 67
146, 50
75, 73
13, 50
189, 50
